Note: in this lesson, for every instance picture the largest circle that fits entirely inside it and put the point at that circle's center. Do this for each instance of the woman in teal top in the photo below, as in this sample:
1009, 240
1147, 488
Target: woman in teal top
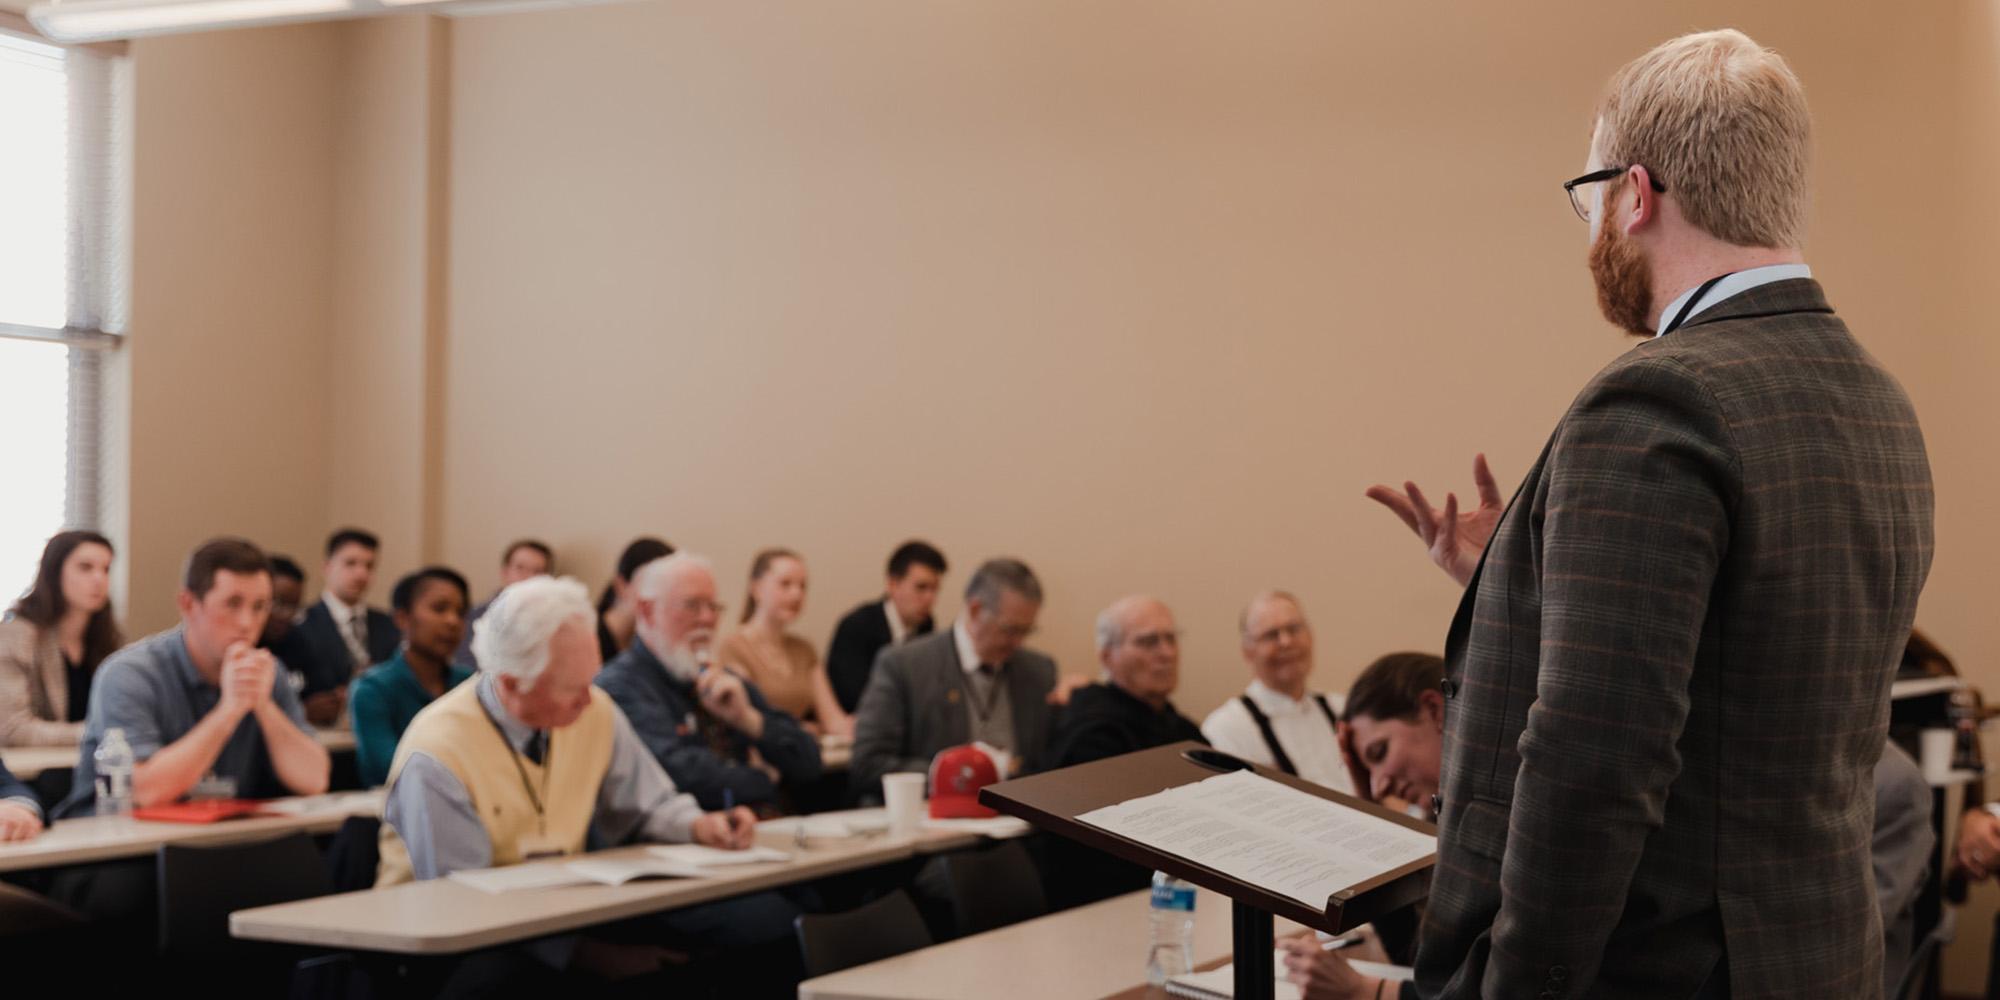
430, 609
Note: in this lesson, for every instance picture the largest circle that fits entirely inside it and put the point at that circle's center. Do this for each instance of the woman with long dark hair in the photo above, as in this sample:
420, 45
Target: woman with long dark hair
53, 640
616, 617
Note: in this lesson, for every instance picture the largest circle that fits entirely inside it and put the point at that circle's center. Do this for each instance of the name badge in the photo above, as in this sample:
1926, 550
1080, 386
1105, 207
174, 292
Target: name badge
537, 845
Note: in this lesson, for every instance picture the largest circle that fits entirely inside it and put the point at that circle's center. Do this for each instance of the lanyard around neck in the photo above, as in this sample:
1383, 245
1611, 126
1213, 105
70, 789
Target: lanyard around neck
548, 756
1693, 300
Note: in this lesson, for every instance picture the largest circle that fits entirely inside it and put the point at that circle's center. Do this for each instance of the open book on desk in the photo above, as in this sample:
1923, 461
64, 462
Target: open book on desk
662, 861
1219, 983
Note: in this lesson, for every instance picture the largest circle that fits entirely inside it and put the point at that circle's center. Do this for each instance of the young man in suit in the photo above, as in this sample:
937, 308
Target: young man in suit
344, 635
915, 571
974, 681
1668, 679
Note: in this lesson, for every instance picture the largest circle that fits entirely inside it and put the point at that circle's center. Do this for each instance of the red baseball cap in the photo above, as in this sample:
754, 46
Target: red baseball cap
957, 775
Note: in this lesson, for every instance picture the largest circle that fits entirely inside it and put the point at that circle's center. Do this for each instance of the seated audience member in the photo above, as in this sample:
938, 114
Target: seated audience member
524, 559
1276, 721
782, 664
20, 811
281, 628
1901, 854
429, 606
1395, 723
551, 762
971, 682
904, 610
714, 732
201, 699
346, 636
1396, 713
1139, 648
616, 616
53, 641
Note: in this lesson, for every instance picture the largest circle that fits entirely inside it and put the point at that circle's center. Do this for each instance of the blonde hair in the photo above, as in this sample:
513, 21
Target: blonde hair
1722, 122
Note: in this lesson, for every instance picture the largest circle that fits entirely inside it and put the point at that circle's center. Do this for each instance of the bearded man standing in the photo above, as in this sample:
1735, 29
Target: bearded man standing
1667, 683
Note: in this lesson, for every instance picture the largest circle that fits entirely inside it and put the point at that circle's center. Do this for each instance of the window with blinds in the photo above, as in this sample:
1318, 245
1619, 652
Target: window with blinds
62, 281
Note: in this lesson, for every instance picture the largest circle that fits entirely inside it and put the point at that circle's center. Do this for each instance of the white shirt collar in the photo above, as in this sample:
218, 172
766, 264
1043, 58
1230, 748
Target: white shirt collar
1272, 700
897, 630
1735, 284
968, 657
342, 613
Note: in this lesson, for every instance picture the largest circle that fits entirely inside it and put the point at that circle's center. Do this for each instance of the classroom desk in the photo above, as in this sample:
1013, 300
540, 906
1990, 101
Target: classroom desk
441, 917
1081, 954
28, 763
106, 838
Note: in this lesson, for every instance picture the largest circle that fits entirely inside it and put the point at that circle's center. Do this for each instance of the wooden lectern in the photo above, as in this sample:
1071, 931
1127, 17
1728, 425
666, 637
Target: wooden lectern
1053, 800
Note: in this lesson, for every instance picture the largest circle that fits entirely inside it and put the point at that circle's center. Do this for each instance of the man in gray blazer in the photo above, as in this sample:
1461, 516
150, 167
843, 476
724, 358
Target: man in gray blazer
973, 681
1667, 683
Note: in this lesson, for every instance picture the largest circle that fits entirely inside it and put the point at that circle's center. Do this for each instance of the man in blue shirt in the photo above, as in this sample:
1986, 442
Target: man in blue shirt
701, 722
201, 699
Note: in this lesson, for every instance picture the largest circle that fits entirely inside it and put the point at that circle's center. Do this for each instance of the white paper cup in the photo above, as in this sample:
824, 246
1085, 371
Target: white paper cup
1938, 747
903, 794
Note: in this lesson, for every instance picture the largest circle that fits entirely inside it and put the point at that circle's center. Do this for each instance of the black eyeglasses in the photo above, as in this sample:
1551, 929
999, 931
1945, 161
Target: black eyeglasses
1575, 202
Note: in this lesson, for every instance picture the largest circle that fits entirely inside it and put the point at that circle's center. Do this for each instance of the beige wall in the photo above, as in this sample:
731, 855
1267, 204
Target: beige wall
1145, 293
232, 221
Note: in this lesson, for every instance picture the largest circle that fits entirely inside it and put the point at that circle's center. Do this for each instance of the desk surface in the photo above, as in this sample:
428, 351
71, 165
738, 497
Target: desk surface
106, 838
440, 916
1089, 952
28, 763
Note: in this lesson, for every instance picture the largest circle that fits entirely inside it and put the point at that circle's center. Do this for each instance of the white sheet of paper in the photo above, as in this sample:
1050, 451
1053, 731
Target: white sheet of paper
703, 856
996, 827
516, 878
1267, 834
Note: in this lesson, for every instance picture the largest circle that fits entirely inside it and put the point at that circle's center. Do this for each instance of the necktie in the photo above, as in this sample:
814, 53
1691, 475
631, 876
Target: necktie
537, 746
357, 635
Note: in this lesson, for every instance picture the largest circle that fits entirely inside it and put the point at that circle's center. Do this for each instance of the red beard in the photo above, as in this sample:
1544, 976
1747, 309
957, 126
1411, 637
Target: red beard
1624, 290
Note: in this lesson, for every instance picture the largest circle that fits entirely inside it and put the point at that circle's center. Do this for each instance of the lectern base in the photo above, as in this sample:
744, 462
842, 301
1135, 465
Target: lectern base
1256, 976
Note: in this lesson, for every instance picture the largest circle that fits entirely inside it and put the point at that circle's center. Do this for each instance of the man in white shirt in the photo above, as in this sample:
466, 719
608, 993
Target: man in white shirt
1276, 722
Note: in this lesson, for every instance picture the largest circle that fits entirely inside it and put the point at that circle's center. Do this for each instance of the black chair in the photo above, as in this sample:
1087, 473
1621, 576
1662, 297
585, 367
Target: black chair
882, 929
994, 888
354, 854
1916, 983
201, 885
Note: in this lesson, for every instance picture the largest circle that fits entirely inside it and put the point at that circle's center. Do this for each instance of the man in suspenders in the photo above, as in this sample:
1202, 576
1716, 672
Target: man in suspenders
1276, 722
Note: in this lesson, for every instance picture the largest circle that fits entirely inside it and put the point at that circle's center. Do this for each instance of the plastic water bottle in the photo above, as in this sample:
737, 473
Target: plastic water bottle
1172, 950
113, 763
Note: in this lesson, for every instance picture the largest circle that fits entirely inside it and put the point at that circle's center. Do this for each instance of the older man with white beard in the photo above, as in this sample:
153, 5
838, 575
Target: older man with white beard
713, 731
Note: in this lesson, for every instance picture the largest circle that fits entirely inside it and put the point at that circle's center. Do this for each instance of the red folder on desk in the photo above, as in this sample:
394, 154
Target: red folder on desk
200, 811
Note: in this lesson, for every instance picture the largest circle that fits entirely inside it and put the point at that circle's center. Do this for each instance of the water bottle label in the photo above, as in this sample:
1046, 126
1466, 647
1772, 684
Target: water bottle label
1171, 897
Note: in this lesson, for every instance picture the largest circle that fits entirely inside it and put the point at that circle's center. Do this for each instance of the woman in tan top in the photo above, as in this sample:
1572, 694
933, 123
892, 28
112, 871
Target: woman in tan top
53, 640
782, 665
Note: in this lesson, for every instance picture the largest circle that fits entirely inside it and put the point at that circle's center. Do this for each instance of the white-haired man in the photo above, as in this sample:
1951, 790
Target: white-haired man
699, 721
1277, 722
1139, 647
549, 758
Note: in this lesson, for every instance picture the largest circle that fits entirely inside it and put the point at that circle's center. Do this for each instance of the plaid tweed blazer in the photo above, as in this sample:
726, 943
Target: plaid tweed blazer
1668, 682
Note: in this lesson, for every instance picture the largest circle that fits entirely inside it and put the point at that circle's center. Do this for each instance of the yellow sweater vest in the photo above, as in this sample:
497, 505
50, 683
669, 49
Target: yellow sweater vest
456, 732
